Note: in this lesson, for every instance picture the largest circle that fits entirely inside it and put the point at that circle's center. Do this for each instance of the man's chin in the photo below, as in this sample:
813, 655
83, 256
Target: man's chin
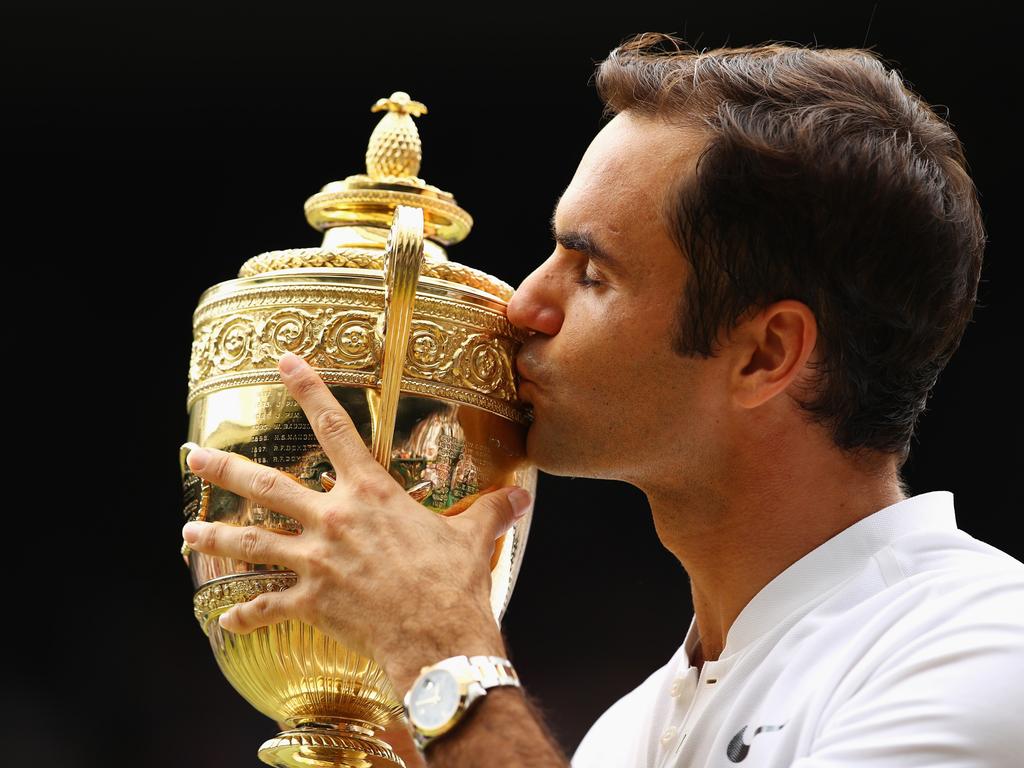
536, 448
551, 457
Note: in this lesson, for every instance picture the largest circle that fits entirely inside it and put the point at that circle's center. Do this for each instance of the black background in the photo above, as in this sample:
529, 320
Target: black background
150, 152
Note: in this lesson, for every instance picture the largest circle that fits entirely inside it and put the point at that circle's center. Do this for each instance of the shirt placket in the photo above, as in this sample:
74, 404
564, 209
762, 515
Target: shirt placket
692, 692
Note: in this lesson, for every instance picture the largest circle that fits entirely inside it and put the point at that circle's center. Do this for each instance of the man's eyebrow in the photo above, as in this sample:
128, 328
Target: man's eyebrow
583, 242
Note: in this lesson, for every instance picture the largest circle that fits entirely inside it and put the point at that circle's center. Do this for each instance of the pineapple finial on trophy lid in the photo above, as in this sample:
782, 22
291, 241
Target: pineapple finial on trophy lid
395, 148
355, 214
358, 211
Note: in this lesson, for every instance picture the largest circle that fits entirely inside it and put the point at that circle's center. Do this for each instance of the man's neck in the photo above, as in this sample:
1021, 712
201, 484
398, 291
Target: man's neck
698, 658
732, 544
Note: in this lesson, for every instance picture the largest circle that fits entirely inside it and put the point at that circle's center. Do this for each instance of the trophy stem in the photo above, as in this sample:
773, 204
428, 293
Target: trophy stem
346, 744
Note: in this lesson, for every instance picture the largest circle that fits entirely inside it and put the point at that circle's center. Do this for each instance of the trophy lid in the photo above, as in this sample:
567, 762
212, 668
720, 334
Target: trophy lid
355, 215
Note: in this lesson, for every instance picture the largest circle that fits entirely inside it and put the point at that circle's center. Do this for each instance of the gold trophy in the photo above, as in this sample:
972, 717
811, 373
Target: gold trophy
419, 352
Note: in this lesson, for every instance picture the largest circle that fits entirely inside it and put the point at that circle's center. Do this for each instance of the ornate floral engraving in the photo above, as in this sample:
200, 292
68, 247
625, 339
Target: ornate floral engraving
217, 596
456, 350
350, 340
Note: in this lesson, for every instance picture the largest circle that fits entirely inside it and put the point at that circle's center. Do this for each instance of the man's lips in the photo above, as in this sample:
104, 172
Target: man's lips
525, 383
524, 380
524, 389
524, 375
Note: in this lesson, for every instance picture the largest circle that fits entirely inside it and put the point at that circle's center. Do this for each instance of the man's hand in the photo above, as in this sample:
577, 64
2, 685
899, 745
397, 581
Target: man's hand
377, 571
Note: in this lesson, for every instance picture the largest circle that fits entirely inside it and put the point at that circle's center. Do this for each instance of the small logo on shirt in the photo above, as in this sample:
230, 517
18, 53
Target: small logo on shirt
737, 749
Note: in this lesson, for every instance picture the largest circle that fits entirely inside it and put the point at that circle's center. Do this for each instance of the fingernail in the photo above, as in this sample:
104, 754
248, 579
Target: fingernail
290, 362
197, 458
190, 532
520, 501
223, 618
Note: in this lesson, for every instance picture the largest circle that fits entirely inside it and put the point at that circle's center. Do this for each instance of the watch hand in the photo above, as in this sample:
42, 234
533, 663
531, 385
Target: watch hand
432, 700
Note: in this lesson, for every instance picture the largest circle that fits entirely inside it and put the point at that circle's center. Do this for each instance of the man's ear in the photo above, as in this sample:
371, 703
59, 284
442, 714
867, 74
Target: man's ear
772, 347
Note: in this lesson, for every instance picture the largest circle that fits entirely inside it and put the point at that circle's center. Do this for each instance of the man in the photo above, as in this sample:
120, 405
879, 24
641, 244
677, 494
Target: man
763, 261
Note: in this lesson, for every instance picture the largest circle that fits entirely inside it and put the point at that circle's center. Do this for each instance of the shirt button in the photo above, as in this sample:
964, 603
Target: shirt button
677, 687
668, 735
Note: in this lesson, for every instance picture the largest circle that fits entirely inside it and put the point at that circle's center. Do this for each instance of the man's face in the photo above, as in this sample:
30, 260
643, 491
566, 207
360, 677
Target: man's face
610, 398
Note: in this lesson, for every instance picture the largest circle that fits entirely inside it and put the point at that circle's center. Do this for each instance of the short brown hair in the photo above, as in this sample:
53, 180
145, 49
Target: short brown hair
824, 179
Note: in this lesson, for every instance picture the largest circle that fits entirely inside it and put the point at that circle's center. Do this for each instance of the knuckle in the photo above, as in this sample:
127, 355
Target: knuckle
264, 482
369, 487
250, 542
262, 607
219, 465
334, 518
306, 385
333, 424
317, 556
241, 618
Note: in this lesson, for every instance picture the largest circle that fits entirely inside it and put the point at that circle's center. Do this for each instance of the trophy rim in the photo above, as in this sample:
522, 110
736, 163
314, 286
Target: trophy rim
351, 276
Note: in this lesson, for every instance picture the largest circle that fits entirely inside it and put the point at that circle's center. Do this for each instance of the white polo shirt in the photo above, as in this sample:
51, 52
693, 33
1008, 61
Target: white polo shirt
898, 642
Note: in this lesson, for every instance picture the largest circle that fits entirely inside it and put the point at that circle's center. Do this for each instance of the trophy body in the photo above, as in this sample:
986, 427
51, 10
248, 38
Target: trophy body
420, 354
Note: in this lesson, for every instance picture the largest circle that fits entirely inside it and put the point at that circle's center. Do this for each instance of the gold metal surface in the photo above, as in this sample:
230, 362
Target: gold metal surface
395, 148
327, 748
354, 259
419, 352
461, 348
392, 162
401, 273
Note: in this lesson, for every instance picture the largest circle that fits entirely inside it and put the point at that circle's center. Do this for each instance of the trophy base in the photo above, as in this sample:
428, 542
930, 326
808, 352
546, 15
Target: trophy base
321, 745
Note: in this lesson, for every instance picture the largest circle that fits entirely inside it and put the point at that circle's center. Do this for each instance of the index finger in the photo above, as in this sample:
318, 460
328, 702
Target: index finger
331, 424
275, 489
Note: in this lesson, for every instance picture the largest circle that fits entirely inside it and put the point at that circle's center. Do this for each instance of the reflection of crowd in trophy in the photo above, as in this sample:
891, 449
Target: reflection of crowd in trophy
432, 458
436, 462
452, 466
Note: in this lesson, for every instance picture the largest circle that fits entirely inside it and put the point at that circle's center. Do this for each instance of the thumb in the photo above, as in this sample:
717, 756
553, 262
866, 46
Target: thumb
498, 510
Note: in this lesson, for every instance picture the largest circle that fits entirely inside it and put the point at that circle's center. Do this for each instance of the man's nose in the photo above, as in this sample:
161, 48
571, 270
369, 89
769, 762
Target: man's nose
535, 306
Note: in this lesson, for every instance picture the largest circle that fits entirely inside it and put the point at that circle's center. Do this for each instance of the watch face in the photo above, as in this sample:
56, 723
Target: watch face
434, 699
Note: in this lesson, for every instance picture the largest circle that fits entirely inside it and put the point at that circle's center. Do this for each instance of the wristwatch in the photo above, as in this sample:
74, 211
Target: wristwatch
444, 691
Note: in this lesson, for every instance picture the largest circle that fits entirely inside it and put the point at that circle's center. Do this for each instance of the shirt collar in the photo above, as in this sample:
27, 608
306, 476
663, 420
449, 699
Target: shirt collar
829, 564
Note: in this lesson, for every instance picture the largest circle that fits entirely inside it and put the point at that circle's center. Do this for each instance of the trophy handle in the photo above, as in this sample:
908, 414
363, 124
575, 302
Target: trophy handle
402, 260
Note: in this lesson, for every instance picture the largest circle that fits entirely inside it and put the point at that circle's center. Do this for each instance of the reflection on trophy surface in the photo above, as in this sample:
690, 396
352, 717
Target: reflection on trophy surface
418, 351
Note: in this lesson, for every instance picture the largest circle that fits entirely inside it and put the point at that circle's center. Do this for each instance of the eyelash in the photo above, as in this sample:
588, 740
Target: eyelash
588, 282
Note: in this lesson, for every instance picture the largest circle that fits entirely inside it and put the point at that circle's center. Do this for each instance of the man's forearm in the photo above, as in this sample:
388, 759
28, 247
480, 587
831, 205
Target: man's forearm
502, 729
